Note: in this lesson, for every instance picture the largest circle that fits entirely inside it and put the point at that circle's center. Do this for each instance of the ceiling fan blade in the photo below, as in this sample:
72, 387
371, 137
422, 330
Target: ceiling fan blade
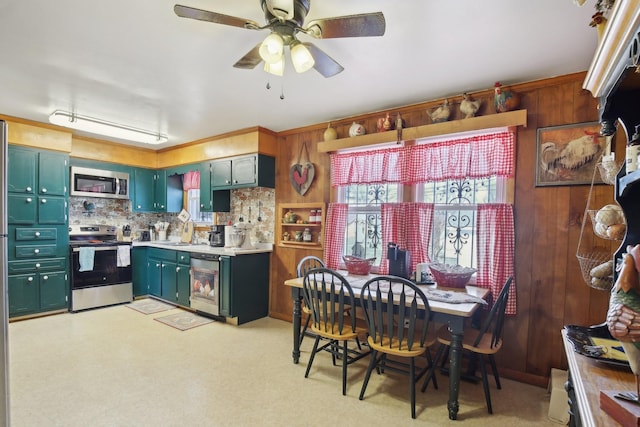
362, 25
216, 18
251, 59
324, 64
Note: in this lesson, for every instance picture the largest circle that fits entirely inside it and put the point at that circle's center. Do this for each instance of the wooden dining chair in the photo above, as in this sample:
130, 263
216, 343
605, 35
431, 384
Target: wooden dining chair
327, 294
482, 343
307, 263
399, 329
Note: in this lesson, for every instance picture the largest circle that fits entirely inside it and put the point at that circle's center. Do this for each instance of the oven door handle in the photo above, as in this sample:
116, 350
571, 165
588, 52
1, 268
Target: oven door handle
100, 248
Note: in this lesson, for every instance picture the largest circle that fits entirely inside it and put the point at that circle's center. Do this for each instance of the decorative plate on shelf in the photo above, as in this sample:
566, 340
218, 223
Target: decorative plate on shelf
597, 343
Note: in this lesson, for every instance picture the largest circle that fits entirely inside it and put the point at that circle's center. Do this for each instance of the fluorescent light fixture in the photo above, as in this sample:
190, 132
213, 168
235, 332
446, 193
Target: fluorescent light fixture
272, 48
301, 57
105, 128
277, 68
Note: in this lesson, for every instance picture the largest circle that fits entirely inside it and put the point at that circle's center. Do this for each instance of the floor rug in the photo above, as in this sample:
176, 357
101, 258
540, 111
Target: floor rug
149, 306
184, 320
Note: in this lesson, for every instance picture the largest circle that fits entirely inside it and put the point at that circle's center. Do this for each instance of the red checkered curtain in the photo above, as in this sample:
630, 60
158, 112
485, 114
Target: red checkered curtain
336, 224
490, 154
191, 180
409, 226
496, 249
369, 167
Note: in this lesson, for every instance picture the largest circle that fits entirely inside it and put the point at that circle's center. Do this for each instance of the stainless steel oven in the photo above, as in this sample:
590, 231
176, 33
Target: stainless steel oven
205, 283
100, 267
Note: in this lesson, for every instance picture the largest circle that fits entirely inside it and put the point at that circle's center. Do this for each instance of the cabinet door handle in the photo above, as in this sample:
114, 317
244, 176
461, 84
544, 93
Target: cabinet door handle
43, 201
37, 233
38, 265
157, 265
29, 200
226, 181
45, 277
235, 181
36, 251
177, 269
44, 190
30, 279
28, 189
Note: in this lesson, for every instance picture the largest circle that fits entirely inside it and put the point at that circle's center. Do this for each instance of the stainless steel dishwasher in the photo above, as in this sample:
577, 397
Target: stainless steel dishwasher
205, 283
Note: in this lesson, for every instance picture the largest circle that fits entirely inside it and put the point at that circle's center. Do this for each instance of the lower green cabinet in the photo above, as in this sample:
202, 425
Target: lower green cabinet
244, 286
162, 273
37, 292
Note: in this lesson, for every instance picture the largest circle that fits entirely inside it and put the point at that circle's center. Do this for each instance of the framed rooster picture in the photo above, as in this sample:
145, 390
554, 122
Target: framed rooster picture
567, 155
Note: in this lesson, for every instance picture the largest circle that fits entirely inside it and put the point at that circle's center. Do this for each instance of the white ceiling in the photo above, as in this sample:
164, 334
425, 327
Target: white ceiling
135, 62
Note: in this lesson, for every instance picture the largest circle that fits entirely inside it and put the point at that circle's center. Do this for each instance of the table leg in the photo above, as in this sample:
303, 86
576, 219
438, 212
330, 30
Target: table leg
455, 360
296, 294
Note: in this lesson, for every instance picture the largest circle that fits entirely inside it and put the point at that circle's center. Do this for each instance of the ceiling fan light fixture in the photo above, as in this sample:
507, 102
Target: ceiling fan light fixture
272, 48
105, 128
301, 57
277, 68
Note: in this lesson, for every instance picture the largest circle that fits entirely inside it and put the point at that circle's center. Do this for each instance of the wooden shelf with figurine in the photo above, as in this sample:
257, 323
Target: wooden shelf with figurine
507, 119
300, 225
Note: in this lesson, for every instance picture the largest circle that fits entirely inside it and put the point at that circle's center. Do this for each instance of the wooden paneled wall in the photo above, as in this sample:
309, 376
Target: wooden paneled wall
550, 289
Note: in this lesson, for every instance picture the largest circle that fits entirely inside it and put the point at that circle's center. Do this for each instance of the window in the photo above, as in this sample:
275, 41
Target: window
193, 207
454, 219
363, 234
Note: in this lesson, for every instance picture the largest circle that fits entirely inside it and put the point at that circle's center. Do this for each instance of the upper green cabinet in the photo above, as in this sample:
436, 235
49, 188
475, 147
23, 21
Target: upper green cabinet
255, 170
37, 186
153, 191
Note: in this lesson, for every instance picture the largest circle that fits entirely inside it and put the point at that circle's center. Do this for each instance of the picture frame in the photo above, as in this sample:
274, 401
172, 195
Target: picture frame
568, 154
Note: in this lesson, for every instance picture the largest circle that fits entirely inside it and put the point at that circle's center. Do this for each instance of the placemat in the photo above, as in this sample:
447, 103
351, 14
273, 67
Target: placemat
452, 297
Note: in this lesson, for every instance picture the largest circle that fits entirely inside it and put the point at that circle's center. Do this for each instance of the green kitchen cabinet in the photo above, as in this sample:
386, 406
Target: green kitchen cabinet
37, 292
243, 171
206, 204
139, 269
143, 190
169, 285
38, 186
244, 286
183, 279
154, 276
155, 192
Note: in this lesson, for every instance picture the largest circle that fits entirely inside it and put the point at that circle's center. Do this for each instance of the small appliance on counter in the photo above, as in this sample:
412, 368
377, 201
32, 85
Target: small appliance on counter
240, 236
399, 261
216, 236
145, 235
423, 273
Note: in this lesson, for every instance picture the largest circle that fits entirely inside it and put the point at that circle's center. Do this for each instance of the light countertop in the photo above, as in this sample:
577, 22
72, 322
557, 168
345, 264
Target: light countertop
205, 248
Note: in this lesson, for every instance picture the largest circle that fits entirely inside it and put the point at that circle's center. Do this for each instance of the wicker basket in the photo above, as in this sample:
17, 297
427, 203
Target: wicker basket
451, 276
591, 260
358, 266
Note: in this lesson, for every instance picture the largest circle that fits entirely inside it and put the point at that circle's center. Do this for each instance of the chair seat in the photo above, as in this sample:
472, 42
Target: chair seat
470, 337
307, 310
331, 332
396, 348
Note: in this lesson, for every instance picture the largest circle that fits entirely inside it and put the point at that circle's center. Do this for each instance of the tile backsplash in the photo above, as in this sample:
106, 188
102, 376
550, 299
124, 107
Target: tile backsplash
255, 205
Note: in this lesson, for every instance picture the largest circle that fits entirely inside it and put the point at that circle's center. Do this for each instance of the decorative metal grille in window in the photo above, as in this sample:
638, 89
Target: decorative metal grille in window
363, 236
453, 237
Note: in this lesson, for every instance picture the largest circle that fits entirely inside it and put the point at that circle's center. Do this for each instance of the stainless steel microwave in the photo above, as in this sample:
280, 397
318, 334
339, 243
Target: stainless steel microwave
91, 182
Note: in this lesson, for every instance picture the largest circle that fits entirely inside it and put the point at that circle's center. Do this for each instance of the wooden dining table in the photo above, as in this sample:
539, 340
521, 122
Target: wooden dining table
452, 314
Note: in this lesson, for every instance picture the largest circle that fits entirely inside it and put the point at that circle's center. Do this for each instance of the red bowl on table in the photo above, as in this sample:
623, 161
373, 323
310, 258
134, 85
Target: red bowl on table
358, 266
451, 276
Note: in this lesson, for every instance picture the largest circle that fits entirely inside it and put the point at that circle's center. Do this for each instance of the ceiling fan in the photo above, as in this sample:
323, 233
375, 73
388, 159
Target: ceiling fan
285, 18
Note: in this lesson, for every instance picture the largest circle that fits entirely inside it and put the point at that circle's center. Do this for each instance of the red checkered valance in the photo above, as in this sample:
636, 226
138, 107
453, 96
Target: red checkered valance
368, 167
476, 156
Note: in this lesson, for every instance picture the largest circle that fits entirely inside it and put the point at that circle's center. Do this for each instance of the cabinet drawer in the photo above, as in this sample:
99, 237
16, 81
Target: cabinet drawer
163, 254
36, 234
19, 267
184, 258
36, 251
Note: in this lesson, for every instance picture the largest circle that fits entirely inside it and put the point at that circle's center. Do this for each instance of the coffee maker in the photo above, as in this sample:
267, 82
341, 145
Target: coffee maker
216, 236
399, 261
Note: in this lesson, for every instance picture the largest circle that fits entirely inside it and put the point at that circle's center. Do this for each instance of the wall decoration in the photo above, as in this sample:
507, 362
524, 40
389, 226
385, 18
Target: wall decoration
567, 155
301, 174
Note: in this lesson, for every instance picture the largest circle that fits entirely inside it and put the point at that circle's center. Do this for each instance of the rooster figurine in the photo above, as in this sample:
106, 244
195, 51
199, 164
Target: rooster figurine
469, 107
505, 100
623, 316
440, 114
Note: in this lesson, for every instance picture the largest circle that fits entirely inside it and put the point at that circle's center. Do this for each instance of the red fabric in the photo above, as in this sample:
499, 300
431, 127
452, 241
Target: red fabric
368, 167
409, 226
472, 157
496, 249
191, 180
336, 224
